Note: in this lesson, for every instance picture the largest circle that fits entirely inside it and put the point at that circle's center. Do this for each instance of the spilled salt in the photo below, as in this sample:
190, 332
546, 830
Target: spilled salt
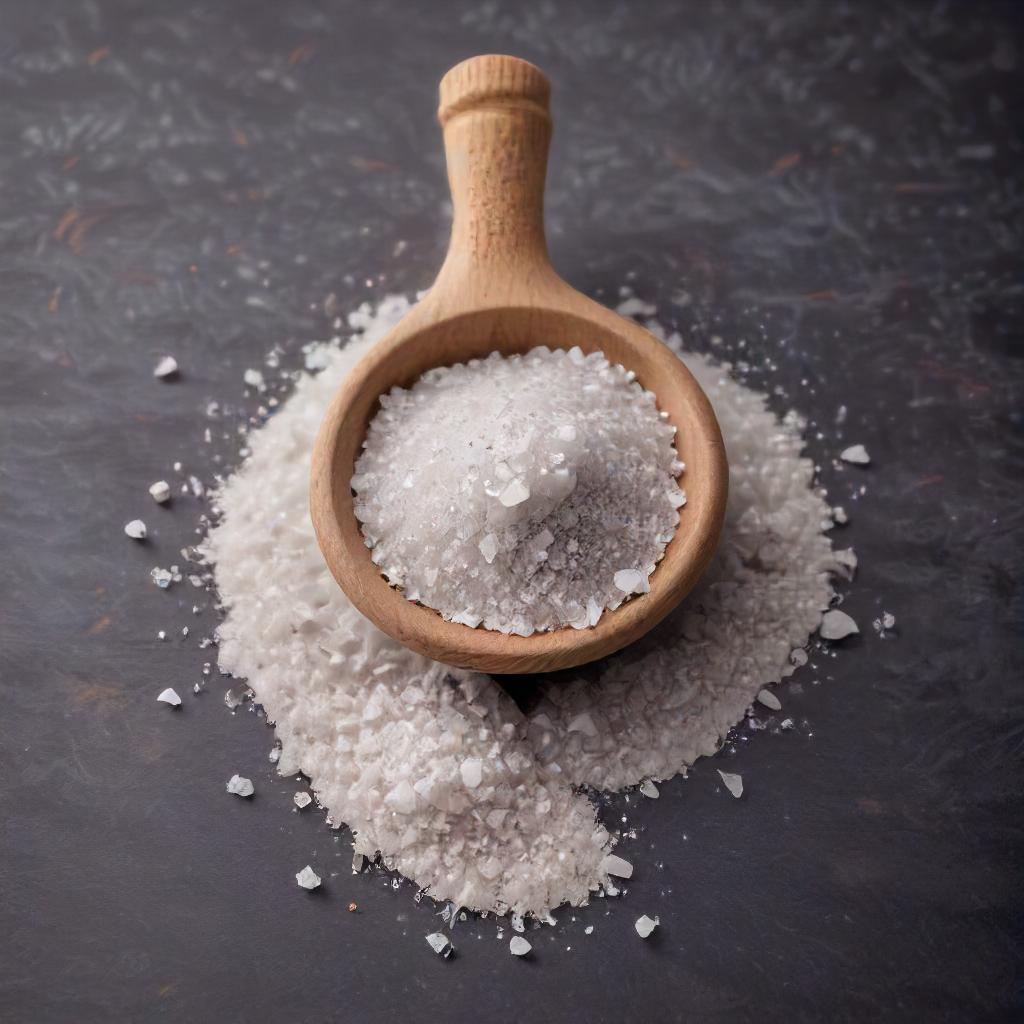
388, 737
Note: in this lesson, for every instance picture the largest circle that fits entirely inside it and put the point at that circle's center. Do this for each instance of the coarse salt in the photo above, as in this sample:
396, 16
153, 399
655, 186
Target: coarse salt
359, 714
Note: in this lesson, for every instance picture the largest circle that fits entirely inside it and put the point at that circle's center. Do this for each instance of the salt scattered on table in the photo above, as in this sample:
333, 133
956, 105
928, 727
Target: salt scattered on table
649, 789
645, 925
308, 878
254, 379
160, 491
440, 944
856, 454
732, 782
167, 367
589, 930
519, 946
839, 515
836, 624
303, 800
136, 529
615, 865
240, 787
169, 696
163, 578
769, 700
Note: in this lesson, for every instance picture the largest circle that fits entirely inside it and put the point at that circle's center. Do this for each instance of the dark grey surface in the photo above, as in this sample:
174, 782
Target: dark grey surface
838, 189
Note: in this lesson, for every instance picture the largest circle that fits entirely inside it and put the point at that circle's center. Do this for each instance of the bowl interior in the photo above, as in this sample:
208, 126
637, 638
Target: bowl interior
403, 357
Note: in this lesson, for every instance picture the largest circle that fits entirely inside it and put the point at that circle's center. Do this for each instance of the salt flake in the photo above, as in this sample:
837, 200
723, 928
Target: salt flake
239, 786
308, 878
856, 454
167, 367
169, 696
160, 491
615, 865
733, 783
645, 925
440, 944
136, 529
519, 946
836, 624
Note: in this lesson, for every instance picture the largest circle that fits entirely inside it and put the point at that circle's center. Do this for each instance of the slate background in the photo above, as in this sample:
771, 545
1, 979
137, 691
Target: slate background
837, 190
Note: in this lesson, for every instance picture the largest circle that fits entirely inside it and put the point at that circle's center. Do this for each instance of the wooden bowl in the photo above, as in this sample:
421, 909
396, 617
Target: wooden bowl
497, 291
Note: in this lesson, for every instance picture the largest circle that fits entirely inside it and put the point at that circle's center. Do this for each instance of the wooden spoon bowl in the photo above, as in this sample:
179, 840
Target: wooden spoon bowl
498, 292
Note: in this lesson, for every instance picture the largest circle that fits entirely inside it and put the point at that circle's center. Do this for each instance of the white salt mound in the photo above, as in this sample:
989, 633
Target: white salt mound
365, 718
522, 493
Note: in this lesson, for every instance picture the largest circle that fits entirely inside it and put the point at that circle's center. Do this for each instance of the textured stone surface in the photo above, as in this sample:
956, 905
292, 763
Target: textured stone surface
832, 192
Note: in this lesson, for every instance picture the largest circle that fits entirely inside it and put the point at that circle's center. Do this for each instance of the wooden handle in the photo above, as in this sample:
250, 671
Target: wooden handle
497, 128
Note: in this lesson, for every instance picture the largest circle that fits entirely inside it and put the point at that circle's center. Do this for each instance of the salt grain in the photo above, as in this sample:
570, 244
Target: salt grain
769, 700
302, 800
308, 878
169, 696
615, 865
649, 789
136, 529
167, 367
440, 944
240, 787
645, 925
732, 782
836, 625
856, 454
519, 946
160, 491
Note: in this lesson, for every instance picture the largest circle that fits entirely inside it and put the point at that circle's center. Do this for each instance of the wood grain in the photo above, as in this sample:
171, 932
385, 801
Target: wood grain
497, 291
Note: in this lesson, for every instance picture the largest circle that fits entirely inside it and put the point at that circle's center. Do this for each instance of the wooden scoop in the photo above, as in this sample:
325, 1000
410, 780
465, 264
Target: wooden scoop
497, 291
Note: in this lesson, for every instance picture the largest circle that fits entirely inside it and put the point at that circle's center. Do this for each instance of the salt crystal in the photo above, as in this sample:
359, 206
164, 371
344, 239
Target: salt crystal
645, 925
168, 696
733, 783
440, 944
786, 723
167, 367
303, 800
519, 946
136, 529
471, 771
275, 755
402, 798
856, 454
240, 787
308, 878
836, 624
160, 491
196, 688
888, 620
254, 379
515, 494
488, 548
612, 864
161, 577
630, 581
636, 307
233, 700
589, 930
839, 515
769, 700
649, 789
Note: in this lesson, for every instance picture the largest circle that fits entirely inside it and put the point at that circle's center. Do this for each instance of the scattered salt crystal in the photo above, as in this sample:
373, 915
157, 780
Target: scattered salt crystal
275, 755
645, 925
440, 944
733, 783
519, 946
169, 696
160, 491
136, 529
167, 367
161, 634
240, 787
839, 515
786, 723
615, 865
649, 789
589, 930
488, 548
836, 624
233, 700
163, 578
636, 307
856, 454
769, 700
308, 878
254, 379
303, 800
888, 620
515, 494
196, 688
